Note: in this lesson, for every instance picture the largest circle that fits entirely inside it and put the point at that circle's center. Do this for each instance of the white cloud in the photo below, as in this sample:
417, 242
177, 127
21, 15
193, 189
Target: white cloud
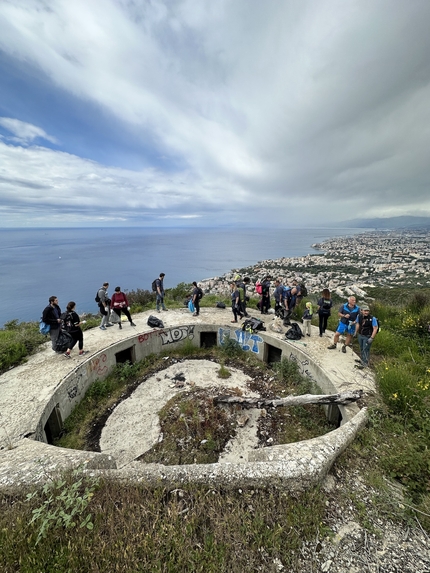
25, 133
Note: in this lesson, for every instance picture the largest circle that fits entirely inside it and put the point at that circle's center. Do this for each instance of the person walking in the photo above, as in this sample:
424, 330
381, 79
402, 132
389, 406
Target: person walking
324, 305
73, 327
235, 302
51, 315
348, 313
366, 327
160, 292
104, 305
307, 319
196, 296
119, 304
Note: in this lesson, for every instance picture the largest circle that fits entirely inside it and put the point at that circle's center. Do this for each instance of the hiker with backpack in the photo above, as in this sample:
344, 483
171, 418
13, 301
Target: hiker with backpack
158, 287
235, 302
197, 295
265, 296
366, 327
324, 305
348, 314
52, 316
72, 324
119, 304
241, 285
279, 297
103, 300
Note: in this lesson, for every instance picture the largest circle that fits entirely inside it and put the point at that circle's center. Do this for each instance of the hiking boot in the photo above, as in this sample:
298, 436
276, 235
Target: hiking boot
132, 323
109, 324
67, 354
102, 327
82, 352
332, 346
120, 326
165, 309
344, 349
359, 366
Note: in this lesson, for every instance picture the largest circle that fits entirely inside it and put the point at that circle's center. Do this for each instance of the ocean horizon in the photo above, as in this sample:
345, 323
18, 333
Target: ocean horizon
72, 263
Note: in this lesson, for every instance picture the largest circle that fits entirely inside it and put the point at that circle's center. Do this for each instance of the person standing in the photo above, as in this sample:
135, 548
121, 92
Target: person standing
307, 319
235, 302
348, 313
241, 285
196, 296
119, 304
160, 292
51, 315
366, 327
104, 305
324, 305
279, 298
73, 327
265, 295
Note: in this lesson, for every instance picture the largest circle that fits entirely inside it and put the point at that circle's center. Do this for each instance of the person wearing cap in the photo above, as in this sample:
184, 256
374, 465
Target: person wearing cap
366, 327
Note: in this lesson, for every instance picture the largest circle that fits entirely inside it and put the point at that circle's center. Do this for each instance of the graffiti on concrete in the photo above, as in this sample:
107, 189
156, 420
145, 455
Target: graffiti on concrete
302, 364
72, 392
98, 365
147, 335
177, 334
247, 340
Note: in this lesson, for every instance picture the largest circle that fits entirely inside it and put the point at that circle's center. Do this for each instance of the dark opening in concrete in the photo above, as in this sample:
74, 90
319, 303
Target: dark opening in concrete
54, 425
126, 355
273, 354
334, 415
208, 339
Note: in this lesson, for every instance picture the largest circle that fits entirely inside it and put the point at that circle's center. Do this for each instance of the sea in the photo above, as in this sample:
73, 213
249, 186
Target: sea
72, 263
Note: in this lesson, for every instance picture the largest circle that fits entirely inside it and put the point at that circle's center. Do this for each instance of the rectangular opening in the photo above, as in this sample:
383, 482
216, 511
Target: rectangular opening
126, 355
334, 415
273, 354
54, 425
208, 339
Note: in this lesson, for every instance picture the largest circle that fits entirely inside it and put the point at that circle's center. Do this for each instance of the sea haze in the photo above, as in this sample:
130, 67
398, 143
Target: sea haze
73, 263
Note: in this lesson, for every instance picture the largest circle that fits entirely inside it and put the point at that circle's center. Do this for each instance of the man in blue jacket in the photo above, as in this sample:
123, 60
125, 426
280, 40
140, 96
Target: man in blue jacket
348, 314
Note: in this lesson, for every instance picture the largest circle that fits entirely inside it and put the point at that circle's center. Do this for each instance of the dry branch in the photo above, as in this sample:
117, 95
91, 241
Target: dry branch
344, 398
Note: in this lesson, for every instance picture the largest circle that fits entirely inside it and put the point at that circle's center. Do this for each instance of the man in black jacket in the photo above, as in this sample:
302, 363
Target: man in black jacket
51, 315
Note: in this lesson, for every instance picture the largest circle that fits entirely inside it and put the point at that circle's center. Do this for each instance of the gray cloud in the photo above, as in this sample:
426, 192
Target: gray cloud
281, 112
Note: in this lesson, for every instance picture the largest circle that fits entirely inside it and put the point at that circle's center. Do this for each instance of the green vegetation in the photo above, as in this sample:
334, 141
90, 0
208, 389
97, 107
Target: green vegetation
17, 341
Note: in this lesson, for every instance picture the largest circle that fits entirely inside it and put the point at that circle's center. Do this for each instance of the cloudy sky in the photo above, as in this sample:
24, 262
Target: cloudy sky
203, 112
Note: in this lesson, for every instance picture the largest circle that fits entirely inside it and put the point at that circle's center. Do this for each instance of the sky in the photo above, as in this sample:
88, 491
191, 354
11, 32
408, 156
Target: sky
213, 113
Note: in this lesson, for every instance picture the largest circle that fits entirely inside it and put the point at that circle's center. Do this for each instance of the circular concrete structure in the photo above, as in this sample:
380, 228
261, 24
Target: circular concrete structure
37, 397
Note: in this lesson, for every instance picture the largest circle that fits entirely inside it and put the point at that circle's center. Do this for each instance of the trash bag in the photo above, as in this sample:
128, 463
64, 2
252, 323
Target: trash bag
220, 304
64, 341
191, 307
114, 318
155, 322
294, 333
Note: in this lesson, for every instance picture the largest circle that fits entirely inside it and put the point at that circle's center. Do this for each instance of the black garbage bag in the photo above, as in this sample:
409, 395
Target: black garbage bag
155, 322
220, 304
64, 341
294, 333
253, 325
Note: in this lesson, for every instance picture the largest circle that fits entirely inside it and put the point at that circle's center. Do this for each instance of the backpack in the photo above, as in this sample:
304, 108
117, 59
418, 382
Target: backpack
258, 288
371, 317
154, 285
97, 298
220, 304
64, 341
253, 325
294, 333
43, 327
155, 322
200, 293
303, 290
66, 322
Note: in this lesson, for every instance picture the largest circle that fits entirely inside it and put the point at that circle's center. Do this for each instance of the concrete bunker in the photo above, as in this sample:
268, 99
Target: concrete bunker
292, 466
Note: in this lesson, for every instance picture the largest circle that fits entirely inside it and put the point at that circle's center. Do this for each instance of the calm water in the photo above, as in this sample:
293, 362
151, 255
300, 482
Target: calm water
73, 263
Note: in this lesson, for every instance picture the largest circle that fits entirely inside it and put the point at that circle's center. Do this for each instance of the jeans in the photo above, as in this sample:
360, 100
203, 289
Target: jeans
364, 349
322, 318
160, 301
105, 314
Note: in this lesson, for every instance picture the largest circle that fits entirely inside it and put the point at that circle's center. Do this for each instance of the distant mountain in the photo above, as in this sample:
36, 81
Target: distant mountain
403, 222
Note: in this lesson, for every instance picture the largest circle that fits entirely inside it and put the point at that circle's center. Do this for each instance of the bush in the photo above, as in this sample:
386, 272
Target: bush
18, 340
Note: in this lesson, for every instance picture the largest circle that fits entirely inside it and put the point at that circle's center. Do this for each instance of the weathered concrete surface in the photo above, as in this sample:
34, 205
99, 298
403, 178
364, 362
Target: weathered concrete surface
29, 392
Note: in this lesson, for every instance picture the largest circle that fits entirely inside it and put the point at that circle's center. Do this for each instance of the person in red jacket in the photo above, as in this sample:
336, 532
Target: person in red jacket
119, 304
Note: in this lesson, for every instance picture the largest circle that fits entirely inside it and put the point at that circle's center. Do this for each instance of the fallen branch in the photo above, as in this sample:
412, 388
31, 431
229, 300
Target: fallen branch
345, 398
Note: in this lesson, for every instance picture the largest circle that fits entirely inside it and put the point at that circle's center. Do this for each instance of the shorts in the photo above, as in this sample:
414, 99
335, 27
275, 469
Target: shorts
346, 328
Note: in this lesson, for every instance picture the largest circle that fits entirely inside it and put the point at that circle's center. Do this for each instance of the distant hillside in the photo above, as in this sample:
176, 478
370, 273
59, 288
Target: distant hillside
403, 222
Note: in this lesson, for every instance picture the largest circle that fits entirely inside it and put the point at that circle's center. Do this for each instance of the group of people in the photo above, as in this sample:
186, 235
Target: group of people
112, 308
53, 316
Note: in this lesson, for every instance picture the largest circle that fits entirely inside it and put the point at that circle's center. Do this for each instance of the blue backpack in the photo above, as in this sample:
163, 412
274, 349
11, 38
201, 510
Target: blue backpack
43, 327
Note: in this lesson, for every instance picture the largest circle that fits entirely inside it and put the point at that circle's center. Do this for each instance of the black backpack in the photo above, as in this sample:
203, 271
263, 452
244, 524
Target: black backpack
155, 322
66, 322
97, 298
220, 304
199, 293
303, 290
64, 341
154, 285
253, 325
294, 333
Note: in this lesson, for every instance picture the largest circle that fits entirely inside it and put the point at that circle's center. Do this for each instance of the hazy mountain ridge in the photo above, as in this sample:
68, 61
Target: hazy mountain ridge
401, 222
